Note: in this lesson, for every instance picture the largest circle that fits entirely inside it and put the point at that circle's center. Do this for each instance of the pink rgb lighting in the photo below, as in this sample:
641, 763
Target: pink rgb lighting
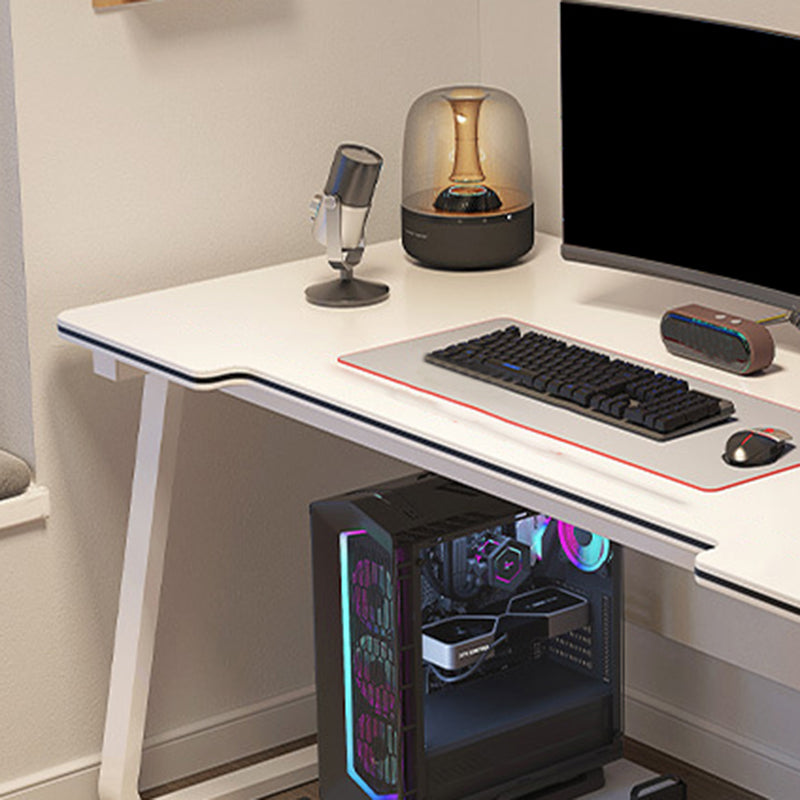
587, 555
374, 674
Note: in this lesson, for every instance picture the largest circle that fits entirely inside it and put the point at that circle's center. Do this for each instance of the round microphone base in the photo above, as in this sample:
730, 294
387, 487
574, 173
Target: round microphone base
346, 293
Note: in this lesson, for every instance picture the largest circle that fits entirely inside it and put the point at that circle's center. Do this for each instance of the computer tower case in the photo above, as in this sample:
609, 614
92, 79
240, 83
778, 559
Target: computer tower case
466, 648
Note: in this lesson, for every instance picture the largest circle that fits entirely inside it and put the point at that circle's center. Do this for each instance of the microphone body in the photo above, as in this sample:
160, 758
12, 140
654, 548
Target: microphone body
340, 213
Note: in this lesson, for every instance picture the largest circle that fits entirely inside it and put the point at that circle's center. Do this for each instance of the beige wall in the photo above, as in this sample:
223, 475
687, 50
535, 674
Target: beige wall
161, 144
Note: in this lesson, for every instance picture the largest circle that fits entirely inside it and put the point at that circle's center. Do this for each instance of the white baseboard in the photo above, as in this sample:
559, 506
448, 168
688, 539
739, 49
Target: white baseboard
713, 714
184, 751
746, 762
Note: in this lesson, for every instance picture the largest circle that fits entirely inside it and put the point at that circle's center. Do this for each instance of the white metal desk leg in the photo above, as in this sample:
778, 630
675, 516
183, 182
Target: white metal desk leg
140, 589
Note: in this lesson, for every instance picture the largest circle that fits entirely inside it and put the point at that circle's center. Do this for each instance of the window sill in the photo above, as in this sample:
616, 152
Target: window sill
33, 504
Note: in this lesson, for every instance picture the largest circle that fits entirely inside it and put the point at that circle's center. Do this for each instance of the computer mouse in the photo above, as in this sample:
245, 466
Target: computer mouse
755, 447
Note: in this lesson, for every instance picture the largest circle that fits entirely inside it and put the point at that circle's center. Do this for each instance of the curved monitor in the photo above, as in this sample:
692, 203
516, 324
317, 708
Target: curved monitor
681, 149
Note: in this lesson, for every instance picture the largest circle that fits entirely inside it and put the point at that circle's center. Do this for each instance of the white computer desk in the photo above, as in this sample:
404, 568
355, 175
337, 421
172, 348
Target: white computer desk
254, 336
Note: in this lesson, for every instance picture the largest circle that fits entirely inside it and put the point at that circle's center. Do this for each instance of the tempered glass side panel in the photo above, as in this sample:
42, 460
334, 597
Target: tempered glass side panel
520, 643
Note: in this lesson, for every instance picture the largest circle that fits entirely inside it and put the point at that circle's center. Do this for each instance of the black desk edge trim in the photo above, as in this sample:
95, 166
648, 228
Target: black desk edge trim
744, 590
246, 376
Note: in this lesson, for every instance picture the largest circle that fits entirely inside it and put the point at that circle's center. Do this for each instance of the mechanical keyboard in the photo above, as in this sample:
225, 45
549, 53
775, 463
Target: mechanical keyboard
626, 395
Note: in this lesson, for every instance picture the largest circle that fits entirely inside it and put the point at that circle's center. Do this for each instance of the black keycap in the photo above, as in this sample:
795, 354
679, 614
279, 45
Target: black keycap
547, 368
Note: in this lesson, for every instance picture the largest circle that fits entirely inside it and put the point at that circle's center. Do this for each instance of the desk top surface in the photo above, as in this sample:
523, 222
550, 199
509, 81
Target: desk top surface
256, 328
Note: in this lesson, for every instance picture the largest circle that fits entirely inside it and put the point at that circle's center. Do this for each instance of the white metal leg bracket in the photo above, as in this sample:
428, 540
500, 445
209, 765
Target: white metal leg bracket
140, 589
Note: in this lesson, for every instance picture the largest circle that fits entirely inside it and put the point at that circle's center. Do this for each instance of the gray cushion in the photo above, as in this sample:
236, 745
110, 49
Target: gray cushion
15, 475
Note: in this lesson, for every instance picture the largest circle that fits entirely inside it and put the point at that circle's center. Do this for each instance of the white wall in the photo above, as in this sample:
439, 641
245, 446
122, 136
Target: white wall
160, 144
182, 140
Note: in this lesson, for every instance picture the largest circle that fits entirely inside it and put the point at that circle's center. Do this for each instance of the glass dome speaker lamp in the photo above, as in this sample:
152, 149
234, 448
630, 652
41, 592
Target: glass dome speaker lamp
467, 193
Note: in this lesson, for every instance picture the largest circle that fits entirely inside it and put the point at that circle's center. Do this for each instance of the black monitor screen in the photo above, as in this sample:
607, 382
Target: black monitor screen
681, 149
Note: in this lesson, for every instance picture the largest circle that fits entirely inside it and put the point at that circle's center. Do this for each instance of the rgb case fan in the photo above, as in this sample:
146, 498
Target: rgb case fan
586, 550
373, 668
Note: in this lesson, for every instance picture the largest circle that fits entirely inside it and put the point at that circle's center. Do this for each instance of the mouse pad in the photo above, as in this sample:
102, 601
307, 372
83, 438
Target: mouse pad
694, 459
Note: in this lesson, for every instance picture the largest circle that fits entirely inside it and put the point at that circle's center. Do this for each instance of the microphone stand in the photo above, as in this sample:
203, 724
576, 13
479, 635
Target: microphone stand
347, 290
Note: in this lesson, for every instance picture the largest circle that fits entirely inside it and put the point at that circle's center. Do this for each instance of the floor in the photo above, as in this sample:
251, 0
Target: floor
701, 785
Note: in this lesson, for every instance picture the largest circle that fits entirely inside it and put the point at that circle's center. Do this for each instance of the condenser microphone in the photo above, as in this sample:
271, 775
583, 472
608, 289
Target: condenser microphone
339, 217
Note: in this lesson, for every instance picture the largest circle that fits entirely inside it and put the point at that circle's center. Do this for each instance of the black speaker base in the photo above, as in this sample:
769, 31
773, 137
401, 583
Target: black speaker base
467, 242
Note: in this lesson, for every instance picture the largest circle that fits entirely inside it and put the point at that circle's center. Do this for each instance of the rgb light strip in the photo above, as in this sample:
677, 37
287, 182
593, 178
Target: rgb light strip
345, 539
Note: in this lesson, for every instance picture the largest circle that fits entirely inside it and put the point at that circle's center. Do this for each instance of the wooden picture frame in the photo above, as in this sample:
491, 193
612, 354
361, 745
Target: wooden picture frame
102, 5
